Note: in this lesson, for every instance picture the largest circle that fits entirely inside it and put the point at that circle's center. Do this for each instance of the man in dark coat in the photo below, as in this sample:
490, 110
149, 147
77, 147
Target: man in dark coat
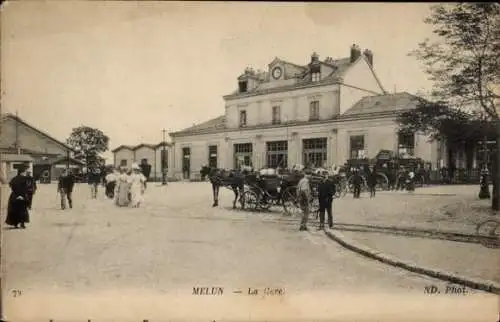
94, 179
356, 182
146, 170
326, 191
372, 181
31, 189
65, 188
17, 208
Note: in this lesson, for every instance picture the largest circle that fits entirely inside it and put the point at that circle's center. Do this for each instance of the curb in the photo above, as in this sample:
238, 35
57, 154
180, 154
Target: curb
482, 285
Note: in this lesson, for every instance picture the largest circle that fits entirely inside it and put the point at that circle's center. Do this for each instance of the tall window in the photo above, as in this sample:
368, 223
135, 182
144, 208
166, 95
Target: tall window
243, 118
277, 154
243, 154
314, 110
123, 162
406, 143
315, 152
357, 146
276, 115
316, 77
212, 156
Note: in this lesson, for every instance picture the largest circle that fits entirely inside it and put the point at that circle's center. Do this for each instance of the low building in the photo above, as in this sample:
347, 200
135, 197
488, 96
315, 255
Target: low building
157, 155
319, 114
21, 143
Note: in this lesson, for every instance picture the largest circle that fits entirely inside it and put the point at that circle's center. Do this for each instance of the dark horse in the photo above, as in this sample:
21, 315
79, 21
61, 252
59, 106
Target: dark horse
232, 179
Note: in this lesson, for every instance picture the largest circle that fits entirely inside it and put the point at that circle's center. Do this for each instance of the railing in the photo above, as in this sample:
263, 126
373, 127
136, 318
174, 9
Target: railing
456, 176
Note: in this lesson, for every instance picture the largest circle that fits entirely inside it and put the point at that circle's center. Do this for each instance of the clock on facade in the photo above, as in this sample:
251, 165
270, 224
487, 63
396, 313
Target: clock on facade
277, 72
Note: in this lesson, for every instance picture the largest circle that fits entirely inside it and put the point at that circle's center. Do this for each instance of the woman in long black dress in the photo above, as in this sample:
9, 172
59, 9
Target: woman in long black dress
17, 209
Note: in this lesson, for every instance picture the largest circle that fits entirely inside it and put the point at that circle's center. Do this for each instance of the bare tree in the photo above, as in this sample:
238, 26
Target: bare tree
463, 62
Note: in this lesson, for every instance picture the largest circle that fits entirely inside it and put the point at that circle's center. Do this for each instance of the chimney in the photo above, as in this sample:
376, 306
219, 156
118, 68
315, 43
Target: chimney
369, 56
314, 57
355, 53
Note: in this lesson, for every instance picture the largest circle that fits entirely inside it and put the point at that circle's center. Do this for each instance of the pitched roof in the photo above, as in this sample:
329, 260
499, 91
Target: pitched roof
135, 147
122, 147
383, 104
218, 123
302, 78
21, 121
151, 146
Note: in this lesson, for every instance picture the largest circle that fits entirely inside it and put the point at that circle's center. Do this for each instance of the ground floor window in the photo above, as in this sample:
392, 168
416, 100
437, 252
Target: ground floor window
357, 146
315, 152
277, 154
243, 154
406, 143
212, 156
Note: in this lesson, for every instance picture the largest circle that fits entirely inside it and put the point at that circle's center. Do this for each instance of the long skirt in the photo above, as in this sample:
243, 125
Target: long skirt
110, 189
17, 211
122, 194
136, 195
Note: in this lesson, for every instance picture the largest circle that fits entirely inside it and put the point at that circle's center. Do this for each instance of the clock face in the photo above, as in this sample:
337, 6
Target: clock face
277, 72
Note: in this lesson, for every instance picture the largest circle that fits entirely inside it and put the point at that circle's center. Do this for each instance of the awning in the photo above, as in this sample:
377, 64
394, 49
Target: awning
7, 157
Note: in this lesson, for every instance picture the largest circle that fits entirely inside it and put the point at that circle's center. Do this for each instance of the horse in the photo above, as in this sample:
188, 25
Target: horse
232, 179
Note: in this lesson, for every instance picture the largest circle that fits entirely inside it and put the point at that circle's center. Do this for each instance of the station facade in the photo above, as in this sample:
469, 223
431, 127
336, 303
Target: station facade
317, 114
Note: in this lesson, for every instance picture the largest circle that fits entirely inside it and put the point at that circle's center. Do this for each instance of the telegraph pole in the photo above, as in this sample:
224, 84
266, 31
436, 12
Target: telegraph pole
164, 159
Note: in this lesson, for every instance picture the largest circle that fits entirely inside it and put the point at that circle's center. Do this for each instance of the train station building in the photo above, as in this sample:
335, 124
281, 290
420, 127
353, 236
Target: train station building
321, 113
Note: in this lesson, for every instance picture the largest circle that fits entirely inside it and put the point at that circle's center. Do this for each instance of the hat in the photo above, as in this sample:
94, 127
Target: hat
135, 166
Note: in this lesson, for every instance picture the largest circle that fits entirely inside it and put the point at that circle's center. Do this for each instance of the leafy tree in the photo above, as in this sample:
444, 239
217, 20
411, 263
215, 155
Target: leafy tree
89, 143
463, 62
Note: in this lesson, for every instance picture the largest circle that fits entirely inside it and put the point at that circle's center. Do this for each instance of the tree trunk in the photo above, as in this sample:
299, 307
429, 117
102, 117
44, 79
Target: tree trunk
495, 201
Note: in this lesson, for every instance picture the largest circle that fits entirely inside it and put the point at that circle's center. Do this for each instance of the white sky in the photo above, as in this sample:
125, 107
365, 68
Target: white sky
132, 69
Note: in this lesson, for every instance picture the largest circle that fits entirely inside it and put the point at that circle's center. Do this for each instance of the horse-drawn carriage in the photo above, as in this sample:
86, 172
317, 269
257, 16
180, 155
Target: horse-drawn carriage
263, 189
389, 167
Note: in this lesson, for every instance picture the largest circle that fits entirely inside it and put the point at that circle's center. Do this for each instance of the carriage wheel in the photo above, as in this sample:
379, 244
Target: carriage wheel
290, 202
265, 205
251, 200
382, 182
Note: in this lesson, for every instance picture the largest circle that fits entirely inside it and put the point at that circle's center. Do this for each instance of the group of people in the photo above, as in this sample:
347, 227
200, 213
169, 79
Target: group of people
126, 186
326, 192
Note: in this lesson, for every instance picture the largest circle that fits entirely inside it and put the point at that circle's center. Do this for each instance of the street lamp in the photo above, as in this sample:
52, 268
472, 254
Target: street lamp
484, 189
164, 159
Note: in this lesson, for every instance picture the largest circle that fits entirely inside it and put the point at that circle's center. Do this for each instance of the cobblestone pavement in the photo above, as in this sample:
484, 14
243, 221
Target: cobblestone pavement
175, 242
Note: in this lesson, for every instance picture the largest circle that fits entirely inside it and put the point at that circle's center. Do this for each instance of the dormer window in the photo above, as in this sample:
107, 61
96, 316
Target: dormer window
243, 118
315, 73
243, 86
316, 77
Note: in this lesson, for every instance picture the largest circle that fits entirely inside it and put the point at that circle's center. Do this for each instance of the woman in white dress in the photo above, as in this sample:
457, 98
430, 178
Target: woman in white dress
122, 189
137, 186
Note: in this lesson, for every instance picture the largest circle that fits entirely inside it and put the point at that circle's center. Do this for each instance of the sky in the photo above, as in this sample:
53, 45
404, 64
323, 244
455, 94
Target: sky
132, 69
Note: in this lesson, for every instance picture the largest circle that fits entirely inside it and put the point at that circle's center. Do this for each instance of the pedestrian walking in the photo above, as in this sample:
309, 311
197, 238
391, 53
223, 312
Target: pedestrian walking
372, 181
31, 189
326, 191
65, 188
122, 188
304, 195
137, 187
356, 182
94, 179
17, 207
111, 179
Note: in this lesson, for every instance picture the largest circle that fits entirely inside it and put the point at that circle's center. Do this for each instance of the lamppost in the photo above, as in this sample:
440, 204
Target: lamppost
484, 190
164, 159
